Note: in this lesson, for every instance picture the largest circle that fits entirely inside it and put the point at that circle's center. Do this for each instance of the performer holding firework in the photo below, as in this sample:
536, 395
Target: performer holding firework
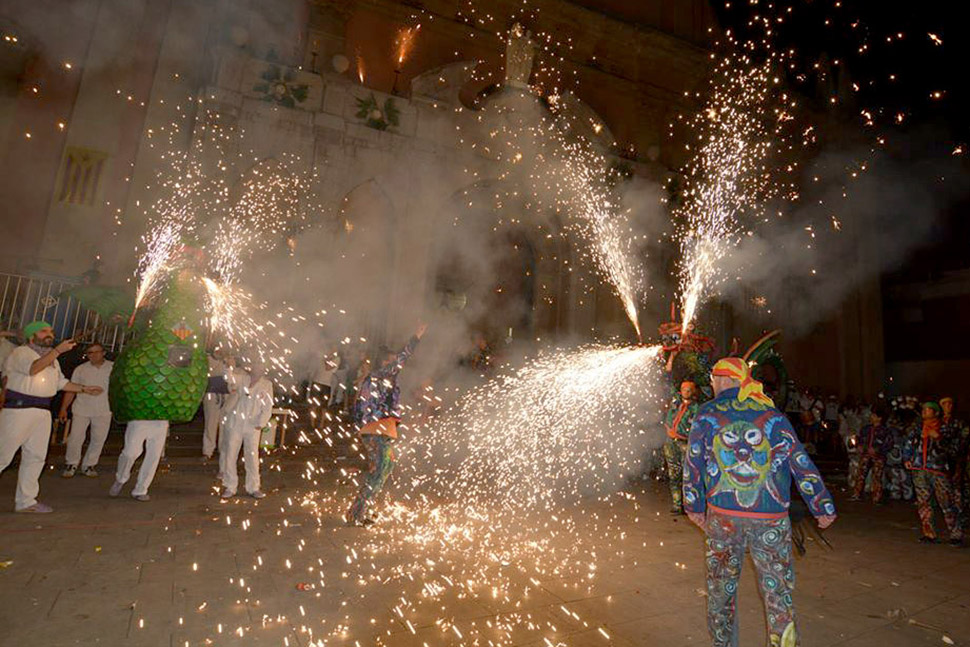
376, 414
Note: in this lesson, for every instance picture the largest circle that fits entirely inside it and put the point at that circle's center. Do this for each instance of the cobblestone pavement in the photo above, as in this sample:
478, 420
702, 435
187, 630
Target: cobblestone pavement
187, 569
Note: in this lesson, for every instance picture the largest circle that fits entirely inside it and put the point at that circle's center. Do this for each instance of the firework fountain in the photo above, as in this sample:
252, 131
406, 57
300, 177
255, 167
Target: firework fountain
201, 200
488, 488
732, 177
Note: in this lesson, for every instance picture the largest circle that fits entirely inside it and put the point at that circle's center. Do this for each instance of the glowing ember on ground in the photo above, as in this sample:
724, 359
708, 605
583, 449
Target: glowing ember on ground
486, 494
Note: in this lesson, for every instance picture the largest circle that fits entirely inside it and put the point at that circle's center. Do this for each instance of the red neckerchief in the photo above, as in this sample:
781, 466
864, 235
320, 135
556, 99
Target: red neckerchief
872, 437
672, 431
931, 431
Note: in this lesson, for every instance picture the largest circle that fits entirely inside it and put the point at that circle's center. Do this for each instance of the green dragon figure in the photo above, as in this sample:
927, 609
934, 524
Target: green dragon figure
768, 367
689, 353
162, 373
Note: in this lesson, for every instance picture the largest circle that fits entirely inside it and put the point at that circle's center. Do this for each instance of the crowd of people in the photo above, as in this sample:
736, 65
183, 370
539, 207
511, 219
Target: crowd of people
32, 377
733, 462
898, 449
237, 407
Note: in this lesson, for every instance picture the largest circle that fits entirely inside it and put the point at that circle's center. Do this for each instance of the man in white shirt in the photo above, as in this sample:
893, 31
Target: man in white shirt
89, 410
248, 409
33, 378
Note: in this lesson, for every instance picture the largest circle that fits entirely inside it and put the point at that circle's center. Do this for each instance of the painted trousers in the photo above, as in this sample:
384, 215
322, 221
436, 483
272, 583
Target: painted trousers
877, 465
674, 451
28, 430
769, 542
75, 441
146, 436
928, 484
380, 462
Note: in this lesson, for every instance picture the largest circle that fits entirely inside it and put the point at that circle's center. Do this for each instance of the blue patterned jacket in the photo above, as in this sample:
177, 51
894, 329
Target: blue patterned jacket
741, 457
380, 395
875, 441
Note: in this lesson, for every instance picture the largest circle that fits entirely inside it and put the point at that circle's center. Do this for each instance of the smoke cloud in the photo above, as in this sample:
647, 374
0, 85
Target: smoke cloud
807, 262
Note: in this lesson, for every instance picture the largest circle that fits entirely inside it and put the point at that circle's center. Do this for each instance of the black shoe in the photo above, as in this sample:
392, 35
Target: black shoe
956, 543
928, 540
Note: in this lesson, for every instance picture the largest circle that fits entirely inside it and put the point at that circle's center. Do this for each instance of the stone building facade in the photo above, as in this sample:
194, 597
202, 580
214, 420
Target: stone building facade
89, 89
121, 75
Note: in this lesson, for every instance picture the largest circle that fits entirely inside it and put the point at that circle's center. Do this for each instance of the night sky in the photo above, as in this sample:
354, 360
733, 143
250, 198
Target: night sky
898, 54
837, 31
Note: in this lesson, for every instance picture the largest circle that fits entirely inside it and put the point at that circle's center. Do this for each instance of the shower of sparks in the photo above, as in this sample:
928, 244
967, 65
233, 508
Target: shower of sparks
599, 220
582, 410
551, 166
733, 174
405, 43
233, 215
231, 313
489, 492
161, 244
268, 205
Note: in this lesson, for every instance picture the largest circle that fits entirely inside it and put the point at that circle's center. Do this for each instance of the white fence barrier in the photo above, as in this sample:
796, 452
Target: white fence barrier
28, 298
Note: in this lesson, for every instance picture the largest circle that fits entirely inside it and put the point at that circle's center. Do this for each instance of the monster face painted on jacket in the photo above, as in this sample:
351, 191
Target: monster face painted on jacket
742, 457
743, 454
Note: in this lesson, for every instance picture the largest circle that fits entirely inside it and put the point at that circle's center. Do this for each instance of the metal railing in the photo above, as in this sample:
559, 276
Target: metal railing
27, 298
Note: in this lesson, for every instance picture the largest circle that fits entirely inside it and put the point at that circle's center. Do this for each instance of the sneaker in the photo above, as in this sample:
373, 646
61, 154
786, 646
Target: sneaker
90, 472
69, 471
37, 508
258, 494
141, 497
116, 488
227, 494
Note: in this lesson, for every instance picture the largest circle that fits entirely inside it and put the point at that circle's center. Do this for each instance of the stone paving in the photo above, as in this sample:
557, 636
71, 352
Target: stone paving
181, 570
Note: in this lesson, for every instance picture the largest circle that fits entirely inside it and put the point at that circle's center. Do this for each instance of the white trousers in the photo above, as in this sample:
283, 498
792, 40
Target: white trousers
28, 430
99, 433
147, 436
212, 414
248, 440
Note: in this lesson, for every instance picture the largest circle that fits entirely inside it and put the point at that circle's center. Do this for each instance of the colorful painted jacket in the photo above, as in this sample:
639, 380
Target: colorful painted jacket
957, 430
380, 395
875, 441
679, 417
926, 454
741, 458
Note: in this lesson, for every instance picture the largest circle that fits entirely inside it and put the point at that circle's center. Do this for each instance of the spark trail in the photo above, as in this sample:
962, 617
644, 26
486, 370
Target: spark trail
550, 168
732, 175
489, 488
227, 226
